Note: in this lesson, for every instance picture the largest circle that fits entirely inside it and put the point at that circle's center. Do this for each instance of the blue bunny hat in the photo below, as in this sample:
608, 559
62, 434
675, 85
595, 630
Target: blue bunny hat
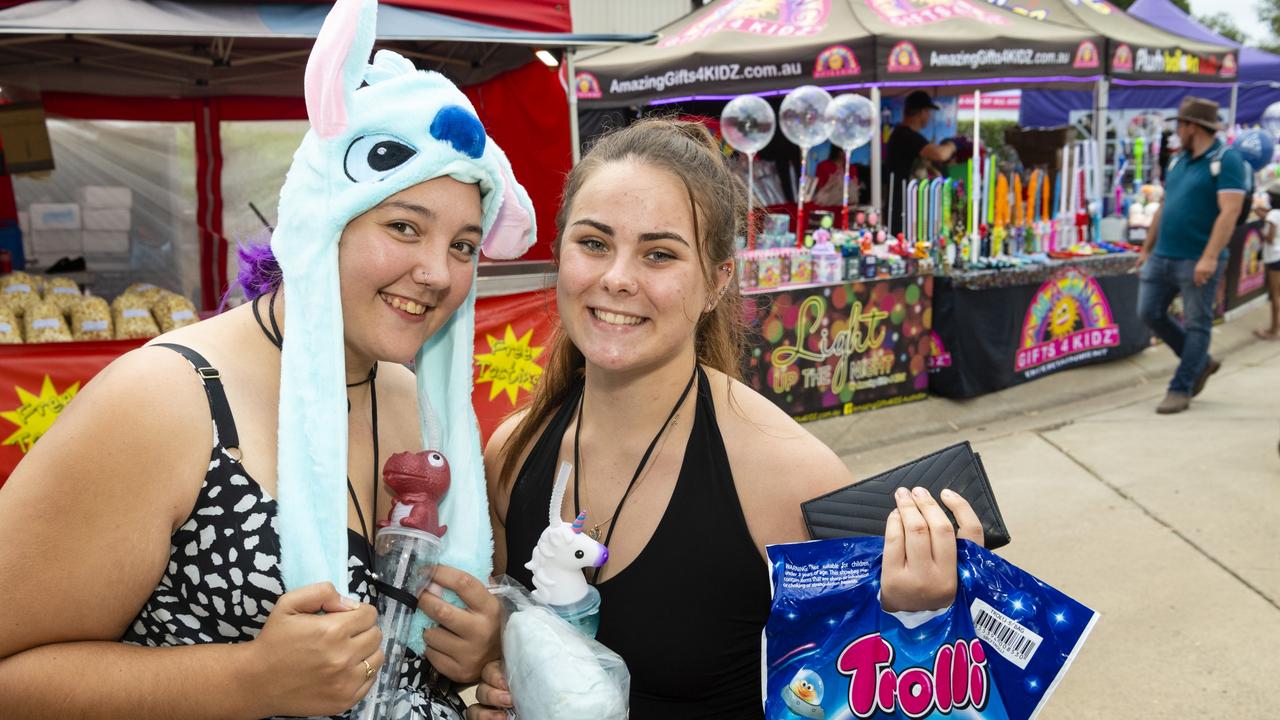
366, 143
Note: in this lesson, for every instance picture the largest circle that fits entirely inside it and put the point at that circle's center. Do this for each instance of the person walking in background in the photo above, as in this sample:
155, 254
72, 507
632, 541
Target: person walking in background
1185, 249
1271, 260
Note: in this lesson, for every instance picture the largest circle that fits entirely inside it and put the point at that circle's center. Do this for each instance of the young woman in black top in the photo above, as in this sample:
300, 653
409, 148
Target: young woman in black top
686, 474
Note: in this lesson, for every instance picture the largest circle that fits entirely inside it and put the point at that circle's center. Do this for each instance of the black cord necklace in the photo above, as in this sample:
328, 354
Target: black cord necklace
644, 460
276, 337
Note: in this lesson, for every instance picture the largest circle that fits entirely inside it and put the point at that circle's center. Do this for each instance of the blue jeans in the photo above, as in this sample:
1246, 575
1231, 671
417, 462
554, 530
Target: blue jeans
1162, 280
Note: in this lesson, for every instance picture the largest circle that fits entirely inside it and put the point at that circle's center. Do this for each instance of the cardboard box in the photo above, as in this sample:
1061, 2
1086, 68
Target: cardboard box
51, 244
114, 219
106, 196
54, 216
106, 242
26, 138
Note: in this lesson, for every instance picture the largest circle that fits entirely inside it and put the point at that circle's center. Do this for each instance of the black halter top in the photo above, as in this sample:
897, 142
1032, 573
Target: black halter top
687, 614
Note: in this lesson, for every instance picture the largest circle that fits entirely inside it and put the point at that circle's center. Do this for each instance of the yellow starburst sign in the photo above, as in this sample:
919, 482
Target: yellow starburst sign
36, 413
510, 365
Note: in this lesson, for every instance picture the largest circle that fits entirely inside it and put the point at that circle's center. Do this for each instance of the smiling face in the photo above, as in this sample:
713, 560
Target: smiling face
405, 266
631, 286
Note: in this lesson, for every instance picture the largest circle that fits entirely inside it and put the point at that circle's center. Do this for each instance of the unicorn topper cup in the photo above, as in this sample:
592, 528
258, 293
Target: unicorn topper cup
562, 552
376, 129
555, 667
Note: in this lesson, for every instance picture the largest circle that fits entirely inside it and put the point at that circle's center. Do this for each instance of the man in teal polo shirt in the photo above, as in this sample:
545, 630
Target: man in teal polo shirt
1186, 248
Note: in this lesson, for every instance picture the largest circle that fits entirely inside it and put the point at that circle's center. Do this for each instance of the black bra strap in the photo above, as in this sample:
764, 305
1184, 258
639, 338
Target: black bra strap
223, 421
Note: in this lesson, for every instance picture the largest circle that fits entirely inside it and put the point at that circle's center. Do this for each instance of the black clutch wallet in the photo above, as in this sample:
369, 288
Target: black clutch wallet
863, 508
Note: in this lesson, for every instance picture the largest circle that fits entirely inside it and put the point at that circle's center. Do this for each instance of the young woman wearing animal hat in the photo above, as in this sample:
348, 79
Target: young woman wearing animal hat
685, 473
154, 569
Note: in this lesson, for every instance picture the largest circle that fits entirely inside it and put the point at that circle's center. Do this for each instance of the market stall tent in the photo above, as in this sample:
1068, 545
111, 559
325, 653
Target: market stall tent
1258, 77
730, 47
209, 62
1256, 66
1137, 53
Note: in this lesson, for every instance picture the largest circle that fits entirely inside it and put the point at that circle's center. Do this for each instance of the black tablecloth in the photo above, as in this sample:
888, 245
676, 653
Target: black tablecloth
991, 333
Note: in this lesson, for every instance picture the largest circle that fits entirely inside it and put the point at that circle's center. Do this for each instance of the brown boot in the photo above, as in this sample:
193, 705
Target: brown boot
1173, 403
1209, 369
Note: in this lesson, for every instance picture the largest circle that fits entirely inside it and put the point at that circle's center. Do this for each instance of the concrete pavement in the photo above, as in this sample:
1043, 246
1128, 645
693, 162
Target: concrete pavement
1164, 524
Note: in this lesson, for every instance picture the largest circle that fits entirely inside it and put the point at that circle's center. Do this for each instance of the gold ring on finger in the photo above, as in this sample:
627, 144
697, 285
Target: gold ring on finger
368, 669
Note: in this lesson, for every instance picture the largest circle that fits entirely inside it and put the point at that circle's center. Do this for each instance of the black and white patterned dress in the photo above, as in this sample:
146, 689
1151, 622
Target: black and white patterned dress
224, 578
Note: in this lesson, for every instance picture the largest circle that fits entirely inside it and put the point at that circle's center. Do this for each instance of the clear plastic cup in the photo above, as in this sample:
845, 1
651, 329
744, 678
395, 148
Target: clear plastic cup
405, 558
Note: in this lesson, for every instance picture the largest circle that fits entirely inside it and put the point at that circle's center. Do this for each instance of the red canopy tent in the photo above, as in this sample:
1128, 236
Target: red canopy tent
176, 73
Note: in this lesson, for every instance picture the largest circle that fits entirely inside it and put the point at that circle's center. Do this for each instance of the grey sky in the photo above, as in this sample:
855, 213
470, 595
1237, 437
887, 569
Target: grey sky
1243, 12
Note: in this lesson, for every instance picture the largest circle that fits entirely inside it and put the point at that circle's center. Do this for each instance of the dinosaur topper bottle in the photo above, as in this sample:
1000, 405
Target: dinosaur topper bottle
557, 564
406, 552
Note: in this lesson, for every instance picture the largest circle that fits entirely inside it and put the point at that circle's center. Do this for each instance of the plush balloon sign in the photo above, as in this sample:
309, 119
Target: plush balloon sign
853, 122
804, 121
748, 123
853, 119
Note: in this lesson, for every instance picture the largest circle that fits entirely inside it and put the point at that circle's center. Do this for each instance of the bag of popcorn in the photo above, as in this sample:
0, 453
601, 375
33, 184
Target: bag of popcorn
132, 316
173, 311
43, 323
91, 319
10, 330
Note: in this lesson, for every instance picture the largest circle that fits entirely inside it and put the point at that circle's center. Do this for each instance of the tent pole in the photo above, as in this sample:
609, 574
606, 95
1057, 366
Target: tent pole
1100, 105
571, 87
1235, 98
213, 246
876, 134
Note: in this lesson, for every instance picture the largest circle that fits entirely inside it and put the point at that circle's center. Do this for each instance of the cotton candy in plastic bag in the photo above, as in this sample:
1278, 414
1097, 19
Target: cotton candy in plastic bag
554, 671
831, 653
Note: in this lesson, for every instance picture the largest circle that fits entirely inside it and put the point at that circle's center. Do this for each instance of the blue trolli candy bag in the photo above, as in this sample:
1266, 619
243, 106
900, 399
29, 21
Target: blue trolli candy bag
831, 652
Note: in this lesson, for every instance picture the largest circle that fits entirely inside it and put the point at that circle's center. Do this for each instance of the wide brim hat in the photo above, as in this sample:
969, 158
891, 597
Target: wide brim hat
1199, 111
376, 129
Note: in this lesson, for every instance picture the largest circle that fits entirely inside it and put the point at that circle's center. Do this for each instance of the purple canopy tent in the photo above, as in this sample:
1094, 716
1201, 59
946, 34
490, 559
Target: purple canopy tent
1258, 75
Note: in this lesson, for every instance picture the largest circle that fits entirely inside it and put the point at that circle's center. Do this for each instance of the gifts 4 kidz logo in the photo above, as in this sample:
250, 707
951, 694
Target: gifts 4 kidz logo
959, 679
587, 86
905, 58
778, 18
1122, 60
1069, 320
836, 61
1087, 56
